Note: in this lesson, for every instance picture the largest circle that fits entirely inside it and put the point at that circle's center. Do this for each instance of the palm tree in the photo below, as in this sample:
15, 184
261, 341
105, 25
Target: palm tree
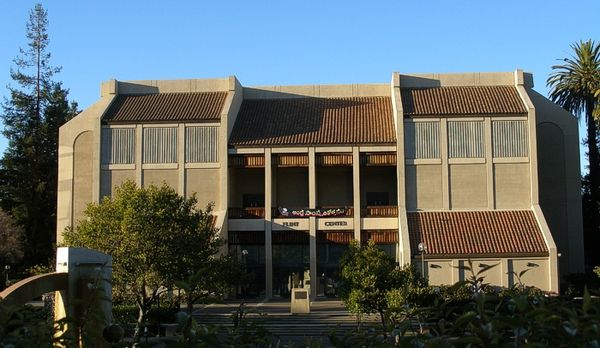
576, 87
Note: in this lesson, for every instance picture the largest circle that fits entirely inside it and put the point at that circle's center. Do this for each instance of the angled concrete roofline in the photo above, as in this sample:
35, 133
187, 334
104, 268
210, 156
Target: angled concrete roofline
427, 80
318, 91
112, 87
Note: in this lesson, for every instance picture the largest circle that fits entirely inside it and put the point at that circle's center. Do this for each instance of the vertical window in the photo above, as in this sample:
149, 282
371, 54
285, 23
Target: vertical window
422, 139
118, 145
160, 145
510, 138
201, 144
465, 139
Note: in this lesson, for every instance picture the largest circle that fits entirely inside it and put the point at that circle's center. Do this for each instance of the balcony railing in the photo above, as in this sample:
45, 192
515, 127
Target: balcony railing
379, 211
323, 212
247, 213
326, 211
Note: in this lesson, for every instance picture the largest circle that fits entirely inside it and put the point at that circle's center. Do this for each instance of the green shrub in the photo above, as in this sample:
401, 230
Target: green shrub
574, 284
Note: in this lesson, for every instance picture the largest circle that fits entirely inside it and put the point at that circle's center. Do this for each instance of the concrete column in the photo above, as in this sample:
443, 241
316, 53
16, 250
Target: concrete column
96, 159
445, 165
489, 164
87, 270
356, 191
312, 223
504, 271
138, 155
312, 179
455, 270
268, 219
403, 255
181, 159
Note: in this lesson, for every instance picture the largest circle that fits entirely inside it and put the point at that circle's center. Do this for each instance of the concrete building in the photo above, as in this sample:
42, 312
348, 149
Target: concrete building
474, 166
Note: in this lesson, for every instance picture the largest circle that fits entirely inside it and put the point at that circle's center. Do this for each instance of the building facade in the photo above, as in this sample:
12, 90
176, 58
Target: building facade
474, 167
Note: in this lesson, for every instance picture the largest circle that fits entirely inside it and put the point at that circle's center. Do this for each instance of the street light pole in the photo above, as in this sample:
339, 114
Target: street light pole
244, 255
6, 270
423, 250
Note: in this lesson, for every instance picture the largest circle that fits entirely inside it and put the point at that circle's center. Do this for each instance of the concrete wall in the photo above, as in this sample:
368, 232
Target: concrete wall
560, 180
323, 91
468, 186
82, 174
158, 177
473, 178
109, 179
504, 273
164, 86
70, 203
512, 186
460, 79
205, 183
424, 187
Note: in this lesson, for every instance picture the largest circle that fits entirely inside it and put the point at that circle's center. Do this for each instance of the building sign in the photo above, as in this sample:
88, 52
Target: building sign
330, 224
289, 224
288, 212
335, 223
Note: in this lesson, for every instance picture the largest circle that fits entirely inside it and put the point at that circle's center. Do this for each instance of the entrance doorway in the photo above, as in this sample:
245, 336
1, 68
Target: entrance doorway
291, 262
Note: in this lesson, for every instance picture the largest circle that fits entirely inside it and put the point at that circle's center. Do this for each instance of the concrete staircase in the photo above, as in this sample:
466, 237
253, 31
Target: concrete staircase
294, 328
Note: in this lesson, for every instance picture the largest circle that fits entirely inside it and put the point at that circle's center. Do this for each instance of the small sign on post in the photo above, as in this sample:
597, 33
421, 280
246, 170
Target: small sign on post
300, 301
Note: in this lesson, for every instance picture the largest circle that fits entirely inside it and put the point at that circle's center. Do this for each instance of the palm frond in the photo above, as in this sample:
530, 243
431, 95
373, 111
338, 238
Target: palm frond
576, 81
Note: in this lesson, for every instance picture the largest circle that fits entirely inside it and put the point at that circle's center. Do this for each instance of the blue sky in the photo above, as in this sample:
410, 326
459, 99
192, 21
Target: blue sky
295, 42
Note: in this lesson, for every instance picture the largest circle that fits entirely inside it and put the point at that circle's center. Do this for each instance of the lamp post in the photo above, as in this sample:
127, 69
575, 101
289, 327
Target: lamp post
6, 270
423, 250
244, 255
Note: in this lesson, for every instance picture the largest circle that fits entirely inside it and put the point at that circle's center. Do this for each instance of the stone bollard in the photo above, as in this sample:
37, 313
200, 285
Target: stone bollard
300, 301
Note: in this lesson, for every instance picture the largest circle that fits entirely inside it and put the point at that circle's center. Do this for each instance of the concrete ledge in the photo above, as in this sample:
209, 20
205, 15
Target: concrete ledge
27, 289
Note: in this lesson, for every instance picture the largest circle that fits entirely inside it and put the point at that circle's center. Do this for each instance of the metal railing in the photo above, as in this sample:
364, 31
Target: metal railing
247, 213
379, 211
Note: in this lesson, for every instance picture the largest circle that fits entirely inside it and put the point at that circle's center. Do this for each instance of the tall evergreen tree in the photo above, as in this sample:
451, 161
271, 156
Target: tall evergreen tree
37, 107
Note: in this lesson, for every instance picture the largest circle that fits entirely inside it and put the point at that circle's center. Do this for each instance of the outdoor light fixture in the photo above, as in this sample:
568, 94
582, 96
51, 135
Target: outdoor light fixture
6, 270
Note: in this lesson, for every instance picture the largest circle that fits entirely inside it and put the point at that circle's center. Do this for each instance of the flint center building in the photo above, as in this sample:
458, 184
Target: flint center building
474, 166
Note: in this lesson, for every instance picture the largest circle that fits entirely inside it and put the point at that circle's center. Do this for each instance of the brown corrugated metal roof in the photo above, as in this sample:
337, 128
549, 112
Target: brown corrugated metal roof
476, 233
467, 100
307, 121
166, 107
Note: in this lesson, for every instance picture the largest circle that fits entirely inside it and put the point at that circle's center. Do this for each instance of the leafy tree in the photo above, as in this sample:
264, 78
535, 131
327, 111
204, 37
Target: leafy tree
576, 87
37, 107
11, 241
207, 276
155, 237
370, 279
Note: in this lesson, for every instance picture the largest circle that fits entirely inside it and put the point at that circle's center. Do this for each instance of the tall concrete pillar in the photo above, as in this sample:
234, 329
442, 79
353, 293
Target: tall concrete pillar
356, 191
268, 220
312, 203
89, 289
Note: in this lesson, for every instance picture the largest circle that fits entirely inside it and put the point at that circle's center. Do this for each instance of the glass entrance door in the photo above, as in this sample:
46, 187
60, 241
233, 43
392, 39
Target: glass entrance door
291, 262
331, 245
